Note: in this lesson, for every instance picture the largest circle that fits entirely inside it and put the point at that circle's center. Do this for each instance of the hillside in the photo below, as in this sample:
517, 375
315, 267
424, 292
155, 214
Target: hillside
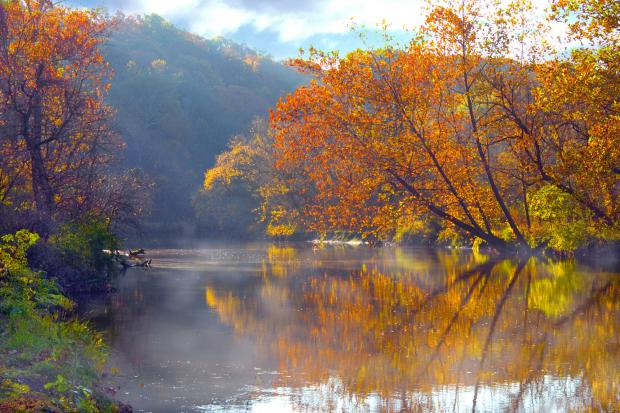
179, 98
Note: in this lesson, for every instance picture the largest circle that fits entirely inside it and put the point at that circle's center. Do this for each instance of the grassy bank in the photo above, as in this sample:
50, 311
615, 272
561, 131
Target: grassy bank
48, 360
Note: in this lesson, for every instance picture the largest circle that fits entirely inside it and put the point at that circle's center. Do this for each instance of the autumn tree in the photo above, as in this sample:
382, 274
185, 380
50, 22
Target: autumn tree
243, 194
55, 134
225, 203
467, 123
579, 95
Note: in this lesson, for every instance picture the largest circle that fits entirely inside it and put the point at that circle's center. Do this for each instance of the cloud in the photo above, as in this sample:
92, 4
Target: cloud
279, 5
280, 26
290, 20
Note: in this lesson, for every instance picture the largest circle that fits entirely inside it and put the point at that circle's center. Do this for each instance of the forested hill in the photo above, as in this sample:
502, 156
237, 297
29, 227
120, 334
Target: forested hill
179, 98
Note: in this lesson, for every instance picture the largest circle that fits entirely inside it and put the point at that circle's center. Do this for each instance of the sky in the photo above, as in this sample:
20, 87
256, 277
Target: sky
281, 27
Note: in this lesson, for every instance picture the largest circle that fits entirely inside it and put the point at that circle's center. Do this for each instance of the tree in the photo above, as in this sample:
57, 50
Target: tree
243, 194
225, 204
466, 123
55, 133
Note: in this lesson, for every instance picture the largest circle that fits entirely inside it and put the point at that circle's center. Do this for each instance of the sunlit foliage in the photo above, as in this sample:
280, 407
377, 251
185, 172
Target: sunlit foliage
56, 140
244, 194
471, 122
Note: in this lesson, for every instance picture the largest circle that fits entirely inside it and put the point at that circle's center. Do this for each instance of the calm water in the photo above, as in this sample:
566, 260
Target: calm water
269, 329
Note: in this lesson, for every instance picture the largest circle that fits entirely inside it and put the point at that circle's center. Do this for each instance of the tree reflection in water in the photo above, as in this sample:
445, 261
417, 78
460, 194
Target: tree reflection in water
454, 333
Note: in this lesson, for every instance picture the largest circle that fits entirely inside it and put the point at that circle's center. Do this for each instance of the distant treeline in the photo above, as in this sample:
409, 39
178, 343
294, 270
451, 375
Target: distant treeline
178, 100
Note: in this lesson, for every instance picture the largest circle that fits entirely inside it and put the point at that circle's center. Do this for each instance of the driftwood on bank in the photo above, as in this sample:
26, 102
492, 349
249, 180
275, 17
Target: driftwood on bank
136, 253
141, 263
130, 259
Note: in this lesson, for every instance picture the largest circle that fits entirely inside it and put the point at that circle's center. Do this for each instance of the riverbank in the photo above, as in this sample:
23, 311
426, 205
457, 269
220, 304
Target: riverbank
49, 360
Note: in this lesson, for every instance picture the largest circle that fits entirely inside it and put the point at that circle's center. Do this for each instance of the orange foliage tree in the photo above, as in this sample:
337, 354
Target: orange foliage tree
55, 138
477, 122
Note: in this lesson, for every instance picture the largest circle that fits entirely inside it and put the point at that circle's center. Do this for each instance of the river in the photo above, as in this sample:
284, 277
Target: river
267, 328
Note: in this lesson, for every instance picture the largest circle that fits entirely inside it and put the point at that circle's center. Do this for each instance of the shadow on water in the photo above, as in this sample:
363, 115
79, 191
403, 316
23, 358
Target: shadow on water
268, 328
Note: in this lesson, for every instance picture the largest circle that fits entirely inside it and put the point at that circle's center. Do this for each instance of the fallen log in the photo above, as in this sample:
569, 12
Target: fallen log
130, 259
129, 264
135, 253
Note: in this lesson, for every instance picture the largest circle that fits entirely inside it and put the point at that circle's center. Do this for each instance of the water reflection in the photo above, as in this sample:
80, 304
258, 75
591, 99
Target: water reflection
377, 330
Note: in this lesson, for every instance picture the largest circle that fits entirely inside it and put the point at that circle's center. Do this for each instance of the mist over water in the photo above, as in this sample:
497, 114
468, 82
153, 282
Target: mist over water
262, 327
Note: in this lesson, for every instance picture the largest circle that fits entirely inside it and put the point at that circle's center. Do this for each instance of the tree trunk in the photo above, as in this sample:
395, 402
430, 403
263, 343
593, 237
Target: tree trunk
489, 238
41, 188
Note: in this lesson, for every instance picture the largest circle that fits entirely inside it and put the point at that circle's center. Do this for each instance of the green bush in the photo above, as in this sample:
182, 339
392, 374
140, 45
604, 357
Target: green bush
84, 241
74, 255
561, 224
43, 355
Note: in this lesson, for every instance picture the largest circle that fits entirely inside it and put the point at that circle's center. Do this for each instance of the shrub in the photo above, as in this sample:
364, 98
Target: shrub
45, 358
561, 224
74, 255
